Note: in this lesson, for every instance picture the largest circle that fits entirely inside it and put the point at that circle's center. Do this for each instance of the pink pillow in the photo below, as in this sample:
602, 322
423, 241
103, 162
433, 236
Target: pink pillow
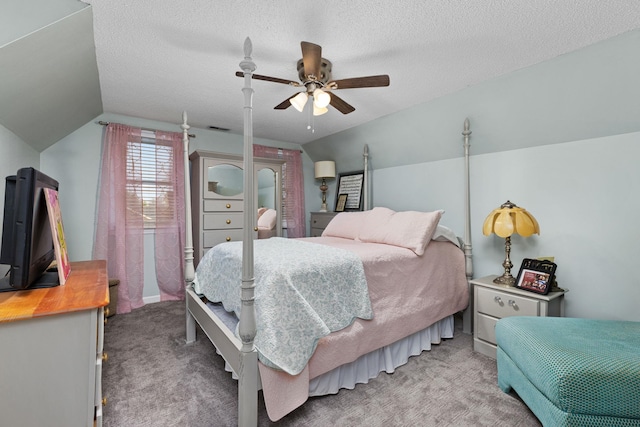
268, 219
346, 225
409, 229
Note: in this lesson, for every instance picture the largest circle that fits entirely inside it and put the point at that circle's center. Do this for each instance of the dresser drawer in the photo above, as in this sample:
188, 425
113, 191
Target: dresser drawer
221, 221
223, 205
502, 304
214, 237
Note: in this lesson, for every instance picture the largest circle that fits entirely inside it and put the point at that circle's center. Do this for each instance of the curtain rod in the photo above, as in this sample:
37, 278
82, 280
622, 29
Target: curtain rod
191, 135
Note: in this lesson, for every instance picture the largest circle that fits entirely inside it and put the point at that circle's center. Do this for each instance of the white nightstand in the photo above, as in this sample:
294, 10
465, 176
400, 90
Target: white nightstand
319, 221
493, 302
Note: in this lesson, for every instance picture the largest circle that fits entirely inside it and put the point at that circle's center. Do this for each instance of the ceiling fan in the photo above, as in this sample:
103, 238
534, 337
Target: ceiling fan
314, 72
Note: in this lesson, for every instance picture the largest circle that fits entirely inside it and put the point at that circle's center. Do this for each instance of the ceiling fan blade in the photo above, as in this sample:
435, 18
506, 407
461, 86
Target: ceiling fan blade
270, 79
339, 104
285, 104
357, 82
311, 58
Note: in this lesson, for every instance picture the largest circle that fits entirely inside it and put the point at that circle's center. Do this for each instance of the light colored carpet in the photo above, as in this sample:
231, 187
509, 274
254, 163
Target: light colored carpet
152, 378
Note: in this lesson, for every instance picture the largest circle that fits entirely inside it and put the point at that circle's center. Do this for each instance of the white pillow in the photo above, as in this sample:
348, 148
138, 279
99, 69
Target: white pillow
409, 229
346, 225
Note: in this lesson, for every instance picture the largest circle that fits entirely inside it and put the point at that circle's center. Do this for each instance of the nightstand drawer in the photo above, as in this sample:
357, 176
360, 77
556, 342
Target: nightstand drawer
486, 328
321, 221
501, 304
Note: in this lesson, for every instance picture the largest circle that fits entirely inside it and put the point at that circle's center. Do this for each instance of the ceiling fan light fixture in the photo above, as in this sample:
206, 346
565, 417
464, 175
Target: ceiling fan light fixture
321, 98
318, 111
299, 101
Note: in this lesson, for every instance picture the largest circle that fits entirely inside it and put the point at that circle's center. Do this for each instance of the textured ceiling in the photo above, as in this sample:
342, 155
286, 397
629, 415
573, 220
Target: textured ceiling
159, 57
156, 58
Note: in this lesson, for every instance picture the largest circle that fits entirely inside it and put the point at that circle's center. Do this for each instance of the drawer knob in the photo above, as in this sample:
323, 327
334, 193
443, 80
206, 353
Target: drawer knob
498, 300
228, 239
228, 206
513, 304
106, 312
104, 401
105, 356
255, 228
228, 221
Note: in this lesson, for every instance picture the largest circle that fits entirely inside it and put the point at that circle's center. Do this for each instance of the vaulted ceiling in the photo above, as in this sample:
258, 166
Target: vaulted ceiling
64, 62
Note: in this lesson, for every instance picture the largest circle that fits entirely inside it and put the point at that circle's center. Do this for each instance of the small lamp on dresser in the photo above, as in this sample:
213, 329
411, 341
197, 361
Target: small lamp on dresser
323, 170
509, 219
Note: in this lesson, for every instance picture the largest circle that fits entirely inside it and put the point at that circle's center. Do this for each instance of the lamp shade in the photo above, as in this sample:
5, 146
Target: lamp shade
321, 98
299, 101
317, 111
510, 219
325, 169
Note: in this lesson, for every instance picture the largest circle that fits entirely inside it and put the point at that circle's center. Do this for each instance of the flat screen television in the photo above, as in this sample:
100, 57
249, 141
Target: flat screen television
27, 241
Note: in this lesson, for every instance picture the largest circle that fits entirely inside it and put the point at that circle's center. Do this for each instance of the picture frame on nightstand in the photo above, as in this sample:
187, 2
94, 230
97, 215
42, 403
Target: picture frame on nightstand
342, 202
536, 276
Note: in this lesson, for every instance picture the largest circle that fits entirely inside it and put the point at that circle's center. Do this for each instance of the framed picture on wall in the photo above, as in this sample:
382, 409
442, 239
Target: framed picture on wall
536, 276
350, 183
342, 202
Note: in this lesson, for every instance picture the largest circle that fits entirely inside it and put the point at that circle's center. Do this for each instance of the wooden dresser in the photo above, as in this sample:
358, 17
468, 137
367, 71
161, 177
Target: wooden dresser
51, 351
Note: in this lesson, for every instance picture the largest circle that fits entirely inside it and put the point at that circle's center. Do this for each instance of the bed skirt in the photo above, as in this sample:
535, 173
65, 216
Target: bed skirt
385, 359
367, 366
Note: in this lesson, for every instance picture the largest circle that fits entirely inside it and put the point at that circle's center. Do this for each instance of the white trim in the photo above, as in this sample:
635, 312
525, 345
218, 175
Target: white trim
151, 299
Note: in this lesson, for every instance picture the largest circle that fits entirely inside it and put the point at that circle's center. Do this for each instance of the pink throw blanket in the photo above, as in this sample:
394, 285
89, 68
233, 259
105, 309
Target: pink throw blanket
408, 293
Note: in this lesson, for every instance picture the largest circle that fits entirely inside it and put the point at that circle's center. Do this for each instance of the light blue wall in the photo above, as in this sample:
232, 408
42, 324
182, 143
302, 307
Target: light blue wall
14, 154
582, 193
75, 162
560, 139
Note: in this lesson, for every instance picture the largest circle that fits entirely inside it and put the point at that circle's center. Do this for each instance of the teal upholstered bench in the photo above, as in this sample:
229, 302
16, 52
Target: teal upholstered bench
572, 372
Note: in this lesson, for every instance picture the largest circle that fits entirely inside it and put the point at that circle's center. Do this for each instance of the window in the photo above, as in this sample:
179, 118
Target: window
150, 193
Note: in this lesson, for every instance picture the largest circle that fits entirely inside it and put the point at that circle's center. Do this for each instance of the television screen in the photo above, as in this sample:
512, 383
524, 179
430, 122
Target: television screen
27, 242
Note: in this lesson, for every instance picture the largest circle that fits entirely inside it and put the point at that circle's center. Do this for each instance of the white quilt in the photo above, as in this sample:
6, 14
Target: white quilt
299, 298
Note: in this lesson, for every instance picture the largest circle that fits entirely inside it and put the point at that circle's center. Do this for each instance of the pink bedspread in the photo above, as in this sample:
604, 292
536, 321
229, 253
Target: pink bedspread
408, 293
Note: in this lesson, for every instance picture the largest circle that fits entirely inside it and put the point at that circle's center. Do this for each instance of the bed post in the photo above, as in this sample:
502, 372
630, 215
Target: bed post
467, 321
248, 375
189, 272
365, 154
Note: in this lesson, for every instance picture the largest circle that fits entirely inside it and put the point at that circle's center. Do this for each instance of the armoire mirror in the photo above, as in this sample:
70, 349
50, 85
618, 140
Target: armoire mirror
266, 188
225, 179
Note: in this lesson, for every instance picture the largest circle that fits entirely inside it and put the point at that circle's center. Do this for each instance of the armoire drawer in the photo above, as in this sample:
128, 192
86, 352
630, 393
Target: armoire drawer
214, 237
220, 221
210, 205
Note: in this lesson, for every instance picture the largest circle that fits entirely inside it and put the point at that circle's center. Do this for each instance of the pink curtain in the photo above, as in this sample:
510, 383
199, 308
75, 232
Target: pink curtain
119, 234
293, 191
120, 229
170, 225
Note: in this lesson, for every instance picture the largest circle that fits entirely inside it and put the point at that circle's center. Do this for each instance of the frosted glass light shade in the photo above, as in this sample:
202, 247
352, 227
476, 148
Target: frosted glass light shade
325, 169
319, 111
299, 101
321, 98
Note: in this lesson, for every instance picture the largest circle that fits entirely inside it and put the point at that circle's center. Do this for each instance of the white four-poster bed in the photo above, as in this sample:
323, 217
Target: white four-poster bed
254, 369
